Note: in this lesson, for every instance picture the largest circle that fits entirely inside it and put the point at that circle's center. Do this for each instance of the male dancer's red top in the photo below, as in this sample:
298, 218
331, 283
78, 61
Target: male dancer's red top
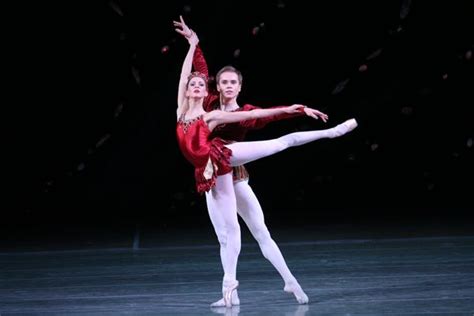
233, 131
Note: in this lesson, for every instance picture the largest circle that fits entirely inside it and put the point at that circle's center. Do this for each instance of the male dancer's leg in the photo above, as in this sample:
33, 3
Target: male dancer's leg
251, 212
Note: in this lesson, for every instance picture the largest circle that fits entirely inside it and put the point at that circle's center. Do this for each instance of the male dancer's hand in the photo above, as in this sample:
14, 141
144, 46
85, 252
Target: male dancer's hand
316, 114
309, 112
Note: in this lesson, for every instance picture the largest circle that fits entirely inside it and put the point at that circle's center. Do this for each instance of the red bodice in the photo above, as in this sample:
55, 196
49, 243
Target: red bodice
208, 155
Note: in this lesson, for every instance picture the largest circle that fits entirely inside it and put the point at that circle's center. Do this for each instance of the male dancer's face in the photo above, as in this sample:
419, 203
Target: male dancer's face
229, 85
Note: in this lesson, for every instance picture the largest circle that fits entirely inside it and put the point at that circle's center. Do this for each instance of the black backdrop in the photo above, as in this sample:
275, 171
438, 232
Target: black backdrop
94, 113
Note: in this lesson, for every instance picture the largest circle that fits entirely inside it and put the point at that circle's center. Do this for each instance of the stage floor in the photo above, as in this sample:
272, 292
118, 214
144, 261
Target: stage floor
343, 273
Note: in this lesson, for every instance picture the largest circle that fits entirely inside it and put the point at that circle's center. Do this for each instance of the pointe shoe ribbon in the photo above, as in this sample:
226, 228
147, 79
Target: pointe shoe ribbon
227, 289
221, 303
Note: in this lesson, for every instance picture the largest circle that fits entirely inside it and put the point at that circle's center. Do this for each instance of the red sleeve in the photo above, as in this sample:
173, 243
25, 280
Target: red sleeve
211, 102
261, 122
199, 64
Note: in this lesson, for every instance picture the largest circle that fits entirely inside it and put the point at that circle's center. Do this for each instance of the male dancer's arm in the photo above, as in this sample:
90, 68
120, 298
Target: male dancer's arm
262, 122
211, 102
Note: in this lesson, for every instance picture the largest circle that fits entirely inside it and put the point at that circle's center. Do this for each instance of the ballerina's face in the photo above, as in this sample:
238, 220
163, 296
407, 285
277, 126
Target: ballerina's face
197, 88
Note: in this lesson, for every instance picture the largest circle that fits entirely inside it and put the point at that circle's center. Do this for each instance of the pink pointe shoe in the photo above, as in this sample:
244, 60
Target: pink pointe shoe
221, 302
295, 289
343, 128
227, 289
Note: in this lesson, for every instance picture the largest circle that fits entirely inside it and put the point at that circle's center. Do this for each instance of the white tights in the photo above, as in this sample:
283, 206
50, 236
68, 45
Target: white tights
249, 209
227, 199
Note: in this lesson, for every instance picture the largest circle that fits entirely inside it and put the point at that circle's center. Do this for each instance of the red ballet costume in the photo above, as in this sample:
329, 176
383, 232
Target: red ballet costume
207, 154
233, 131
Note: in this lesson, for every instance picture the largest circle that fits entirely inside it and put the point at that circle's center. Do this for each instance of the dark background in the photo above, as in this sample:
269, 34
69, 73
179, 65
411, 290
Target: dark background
93, 140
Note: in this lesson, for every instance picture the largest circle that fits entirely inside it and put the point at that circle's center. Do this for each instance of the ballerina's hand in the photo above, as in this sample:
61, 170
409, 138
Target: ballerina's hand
182, 28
